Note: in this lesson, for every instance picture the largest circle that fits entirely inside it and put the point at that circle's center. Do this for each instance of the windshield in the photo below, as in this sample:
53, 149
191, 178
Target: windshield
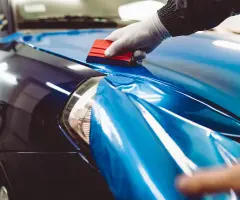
122, 9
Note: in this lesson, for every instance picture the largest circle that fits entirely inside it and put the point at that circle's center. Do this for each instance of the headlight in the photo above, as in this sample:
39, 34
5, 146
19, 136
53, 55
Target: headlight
77, 113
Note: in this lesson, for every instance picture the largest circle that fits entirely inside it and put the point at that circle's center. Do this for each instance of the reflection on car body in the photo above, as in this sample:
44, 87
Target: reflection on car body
71, 129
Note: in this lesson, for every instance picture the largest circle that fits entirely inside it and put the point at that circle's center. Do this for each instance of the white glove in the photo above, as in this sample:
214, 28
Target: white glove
140, 37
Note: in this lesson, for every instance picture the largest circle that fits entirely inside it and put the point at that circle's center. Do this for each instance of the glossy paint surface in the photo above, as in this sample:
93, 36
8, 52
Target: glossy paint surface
153, 122
197, 63
37, 161
142, 138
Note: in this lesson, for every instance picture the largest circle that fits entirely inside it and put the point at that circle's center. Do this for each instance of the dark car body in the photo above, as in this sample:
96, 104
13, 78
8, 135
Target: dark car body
37, 160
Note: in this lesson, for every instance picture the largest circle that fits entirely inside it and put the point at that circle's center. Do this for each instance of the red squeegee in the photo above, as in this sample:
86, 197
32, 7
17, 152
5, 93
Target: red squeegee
96, 54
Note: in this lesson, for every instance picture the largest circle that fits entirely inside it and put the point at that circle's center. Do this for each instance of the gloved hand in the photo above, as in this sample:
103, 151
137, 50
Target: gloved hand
144, 36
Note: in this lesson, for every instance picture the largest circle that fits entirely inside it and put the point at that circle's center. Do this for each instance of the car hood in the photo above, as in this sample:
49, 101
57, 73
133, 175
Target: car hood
205, 64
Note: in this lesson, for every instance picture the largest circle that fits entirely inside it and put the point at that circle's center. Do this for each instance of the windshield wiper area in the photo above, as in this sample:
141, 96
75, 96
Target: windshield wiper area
69, 22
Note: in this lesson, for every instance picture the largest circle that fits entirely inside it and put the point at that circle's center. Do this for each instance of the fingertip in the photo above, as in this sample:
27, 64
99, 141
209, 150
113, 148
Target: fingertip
107, 53
108, 38
139, 55
144, 55
182, 183
114, 35
115, 48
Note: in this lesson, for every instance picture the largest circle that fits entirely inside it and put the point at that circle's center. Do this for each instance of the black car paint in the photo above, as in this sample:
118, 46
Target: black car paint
66, 24
37, 161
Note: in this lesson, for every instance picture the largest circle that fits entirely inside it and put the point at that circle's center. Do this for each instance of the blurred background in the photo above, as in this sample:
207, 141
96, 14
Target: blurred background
30, 14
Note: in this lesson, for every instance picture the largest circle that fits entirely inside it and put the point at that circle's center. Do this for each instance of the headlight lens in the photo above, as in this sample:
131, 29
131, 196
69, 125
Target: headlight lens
77, 113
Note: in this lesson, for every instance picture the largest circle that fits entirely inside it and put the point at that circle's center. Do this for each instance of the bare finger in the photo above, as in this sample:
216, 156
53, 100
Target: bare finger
210, 181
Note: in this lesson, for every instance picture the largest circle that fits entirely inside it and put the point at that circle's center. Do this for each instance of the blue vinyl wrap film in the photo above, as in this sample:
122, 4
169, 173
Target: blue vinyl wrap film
166, 117
10, 38
144, 134
193, 63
